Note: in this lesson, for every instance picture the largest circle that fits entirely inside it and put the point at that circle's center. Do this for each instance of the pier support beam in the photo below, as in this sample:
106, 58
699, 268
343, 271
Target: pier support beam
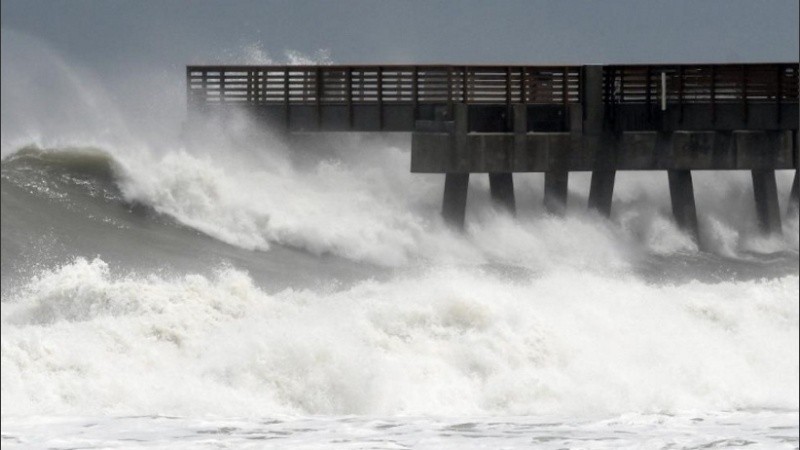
555, 192
765, 190
502, 188
454, 204
794, 197
602, 191
681, 191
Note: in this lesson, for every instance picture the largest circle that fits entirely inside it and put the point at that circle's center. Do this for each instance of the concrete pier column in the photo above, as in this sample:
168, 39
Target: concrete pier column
794, 197
502, 188
459, 154
555, 192
601, 191
765, 190
454, 203
681, 191
602, 188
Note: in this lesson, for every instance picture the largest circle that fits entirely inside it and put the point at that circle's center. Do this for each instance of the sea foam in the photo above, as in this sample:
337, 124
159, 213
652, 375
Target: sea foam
446, 340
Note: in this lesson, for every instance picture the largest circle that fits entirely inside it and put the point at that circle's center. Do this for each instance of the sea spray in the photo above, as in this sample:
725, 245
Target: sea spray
83, 339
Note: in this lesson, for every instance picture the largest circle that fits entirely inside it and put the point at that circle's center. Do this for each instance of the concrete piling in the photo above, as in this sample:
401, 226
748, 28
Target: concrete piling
602, 186
601, 191
555, 192
794, 197
502, 190
765, 191
454, 203
681, 192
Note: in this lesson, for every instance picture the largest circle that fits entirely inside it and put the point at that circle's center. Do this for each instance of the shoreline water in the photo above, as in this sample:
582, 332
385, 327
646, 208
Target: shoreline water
762, 429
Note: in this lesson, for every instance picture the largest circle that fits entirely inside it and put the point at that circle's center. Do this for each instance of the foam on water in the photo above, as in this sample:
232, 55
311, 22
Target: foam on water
447, 341
759, 429
356, 199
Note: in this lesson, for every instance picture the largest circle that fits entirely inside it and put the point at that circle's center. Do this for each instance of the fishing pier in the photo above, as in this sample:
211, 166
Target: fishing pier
501, 120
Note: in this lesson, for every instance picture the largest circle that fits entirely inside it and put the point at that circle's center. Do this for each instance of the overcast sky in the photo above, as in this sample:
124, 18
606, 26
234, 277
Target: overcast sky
107, 34
78, 64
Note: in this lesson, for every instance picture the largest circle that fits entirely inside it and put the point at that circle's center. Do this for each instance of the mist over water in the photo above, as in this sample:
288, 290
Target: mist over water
152, 266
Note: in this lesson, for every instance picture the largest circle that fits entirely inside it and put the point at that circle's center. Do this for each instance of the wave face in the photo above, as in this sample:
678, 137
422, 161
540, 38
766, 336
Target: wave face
234, 272
193, 305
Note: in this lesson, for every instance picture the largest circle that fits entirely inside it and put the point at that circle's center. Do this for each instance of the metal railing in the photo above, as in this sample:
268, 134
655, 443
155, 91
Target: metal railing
636, 91
383, 84
719, 83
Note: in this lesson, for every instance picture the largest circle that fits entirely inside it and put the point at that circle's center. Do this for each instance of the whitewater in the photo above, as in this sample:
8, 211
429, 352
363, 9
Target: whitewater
172, 285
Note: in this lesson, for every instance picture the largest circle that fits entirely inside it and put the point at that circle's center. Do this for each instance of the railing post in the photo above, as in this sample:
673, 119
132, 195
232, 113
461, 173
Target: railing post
415, 92
380, 98
778, 94
248, 86
713, 94
745, 117
680, 94
648, 99
450, 91
564, 97
205, 85
509, 124
264, 77
508, 86
318, 95
286, 97
349, 96
222, 85
464, 85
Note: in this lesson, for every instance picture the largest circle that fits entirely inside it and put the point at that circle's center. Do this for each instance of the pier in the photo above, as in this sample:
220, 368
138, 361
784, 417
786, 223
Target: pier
501, 120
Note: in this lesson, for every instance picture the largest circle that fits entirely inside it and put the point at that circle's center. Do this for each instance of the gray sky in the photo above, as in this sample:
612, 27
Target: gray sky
84, 67
104, 35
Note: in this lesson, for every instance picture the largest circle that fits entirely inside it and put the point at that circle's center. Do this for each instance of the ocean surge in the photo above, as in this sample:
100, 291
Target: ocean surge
82, 339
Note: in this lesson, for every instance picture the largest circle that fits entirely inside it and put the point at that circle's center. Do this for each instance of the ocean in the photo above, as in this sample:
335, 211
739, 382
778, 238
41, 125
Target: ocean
232, 287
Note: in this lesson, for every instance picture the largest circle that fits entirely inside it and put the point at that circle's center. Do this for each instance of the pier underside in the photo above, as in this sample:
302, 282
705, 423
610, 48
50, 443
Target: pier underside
450, 148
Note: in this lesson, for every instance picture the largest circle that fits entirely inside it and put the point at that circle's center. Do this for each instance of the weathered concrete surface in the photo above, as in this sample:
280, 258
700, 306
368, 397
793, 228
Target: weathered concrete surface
681, 192
765, 190
459, 157
601, 191
555, 192
794, 196
430, 152
593, 106
530, 152
699, 117
491, 153
764, 150
640, 150
454, 203
501, 186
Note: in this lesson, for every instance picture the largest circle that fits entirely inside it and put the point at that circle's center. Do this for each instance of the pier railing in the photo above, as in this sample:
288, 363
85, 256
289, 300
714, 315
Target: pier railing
720, 83
308, 85
397, 97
